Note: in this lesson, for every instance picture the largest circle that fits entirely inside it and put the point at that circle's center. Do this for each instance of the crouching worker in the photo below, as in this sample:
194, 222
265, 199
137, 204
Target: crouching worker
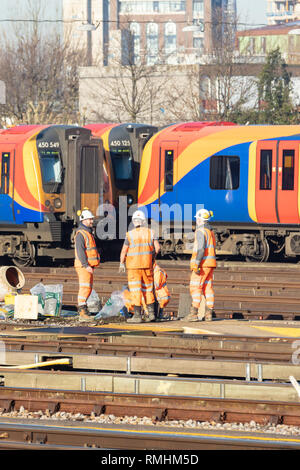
203, 263
139, 250
162, 292
86, 259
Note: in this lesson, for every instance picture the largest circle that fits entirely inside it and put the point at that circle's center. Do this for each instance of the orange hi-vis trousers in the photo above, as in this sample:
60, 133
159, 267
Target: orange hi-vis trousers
201, 284
140, 283
85, 285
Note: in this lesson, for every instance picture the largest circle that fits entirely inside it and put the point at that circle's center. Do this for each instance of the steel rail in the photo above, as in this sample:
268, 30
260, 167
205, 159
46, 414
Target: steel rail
163, 346
156, 407
249, 292
52, 435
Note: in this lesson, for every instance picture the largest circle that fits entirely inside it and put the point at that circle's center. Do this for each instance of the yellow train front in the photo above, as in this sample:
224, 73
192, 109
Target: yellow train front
47, 174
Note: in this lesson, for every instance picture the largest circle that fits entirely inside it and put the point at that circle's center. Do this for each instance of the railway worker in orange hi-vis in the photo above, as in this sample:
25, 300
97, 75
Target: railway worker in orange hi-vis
162, 292
203, 263
86, 259
139, 251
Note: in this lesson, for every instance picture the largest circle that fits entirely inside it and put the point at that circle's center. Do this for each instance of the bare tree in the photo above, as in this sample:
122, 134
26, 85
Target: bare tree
41, 75
129, 88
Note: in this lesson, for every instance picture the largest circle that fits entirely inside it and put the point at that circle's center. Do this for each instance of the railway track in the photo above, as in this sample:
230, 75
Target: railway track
163, 345
59, 436
241, 291
158, 408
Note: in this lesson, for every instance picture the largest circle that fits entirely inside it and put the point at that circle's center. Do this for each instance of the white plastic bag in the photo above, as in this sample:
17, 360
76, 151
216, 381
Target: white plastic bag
112, 307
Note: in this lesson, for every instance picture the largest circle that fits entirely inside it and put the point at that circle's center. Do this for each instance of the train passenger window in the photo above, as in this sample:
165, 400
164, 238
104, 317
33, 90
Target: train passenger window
5, 172
224, 172
288, 163
265, 169
169, 161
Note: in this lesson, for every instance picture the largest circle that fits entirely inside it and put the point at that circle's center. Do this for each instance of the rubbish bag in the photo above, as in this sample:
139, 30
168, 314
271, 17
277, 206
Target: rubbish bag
112, 307
93, 302
40, 291
53, 300
49, 298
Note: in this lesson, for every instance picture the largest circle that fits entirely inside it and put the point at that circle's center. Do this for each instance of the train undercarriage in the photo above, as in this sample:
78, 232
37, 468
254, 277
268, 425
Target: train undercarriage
253, 244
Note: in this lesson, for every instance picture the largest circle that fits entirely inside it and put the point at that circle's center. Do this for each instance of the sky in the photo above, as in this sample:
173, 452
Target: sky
252, 12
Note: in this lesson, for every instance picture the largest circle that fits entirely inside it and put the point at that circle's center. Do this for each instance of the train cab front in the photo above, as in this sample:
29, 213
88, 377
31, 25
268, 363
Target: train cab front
126, 143
72, 178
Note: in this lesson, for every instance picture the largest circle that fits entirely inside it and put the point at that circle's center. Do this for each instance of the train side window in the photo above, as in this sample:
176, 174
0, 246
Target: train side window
224, 172
265, 169
288, 164
5, 173
169, 162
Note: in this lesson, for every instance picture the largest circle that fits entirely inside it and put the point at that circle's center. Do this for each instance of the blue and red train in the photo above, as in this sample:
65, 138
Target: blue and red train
49, 172
247, 175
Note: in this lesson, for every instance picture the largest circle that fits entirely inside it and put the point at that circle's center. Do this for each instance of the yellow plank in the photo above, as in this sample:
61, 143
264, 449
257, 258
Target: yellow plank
142, 327
280, 331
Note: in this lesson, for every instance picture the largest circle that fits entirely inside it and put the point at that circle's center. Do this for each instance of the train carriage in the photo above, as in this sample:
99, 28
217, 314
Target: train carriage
248, 175
47, 173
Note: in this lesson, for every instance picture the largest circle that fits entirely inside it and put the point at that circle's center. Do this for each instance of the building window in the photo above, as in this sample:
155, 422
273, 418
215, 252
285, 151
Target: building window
198, 7
152, 43
170, 37
136, 35
224, 172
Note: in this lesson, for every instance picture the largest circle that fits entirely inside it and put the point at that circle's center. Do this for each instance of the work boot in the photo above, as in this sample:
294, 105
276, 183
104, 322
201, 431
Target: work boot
193, 315
83, 313
161, 316
137, 315
208, 314
151, 312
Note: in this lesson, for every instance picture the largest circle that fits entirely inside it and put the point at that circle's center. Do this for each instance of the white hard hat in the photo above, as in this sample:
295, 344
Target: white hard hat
139, 215
204, 214
86, 214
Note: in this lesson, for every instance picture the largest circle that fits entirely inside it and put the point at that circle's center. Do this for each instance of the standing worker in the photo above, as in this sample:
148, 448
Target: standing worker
139, 250
86, 259
203, 263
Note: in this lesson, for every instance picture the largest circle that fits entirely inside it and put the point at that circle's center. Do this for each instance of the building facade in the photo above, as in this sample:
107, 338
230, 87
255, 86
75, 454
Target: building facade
169, 31
279, 11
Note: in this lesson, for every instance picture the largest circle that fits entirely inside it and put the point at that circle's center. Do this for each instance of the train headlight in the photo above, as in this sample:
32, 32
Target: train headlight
129, 199
57, 203
47, 203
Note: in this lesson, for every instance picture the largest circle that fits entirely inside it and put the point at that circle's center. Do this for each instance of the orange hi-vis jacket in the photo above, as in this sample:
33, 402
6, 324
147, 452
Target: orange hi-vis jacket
140, 248
160, 284
204, 249
91, 251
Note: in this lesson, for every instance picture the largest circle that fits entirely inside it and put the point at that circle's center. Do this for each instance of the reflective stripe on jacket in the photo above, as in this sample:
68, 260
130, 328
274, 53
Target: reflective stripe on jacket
207, 258
91, 251
140, 248
160, 284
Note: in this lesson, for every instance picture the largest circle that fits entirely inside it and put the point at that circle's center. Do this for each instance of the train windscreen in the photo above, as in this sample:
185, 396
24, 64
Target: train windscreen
121, 158
48, 146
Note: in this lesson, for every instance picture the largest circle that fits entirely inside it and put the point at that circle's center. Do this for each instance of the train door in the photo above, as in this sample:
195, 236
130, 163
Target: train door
265, 184
167, 174
7, 162
84, 184
288, 182
276, 195
91, 178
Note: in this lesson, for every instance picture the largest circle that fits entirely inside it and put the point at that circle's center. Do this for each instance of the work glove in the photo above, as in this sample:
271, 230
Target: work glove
122, 268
